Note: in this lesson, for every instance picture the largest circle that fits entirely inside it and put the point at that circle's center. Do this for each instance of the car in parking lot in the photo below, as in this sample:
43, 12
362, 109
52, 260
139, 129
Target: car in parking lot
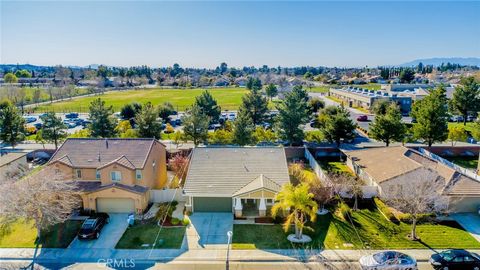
30, 119
93, 225
71, 115
391, 260
453, 259
38, 125
362, 118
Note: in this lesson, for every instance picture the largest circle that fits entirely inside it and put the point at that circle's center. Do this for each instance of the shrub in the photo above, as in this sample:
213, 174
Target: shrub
342, 211
175, 221
169, 129
186, 222
165, 209
421, 218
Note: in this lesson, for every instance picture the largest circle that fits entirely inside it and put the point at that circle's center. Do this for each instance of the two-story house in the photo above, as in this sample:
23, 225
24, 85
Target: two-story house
114, 175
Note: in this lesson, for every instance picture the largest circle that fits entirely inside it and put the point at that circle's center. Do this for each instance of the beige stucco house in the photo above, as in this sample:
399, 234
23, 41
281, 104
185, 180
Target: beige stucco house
385, 167
240, 180
114, 175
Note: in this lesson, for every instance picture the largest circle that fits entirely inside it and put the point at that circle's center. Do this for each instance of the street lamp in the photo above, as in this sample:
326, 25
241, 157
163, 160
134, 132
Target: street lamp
229, 235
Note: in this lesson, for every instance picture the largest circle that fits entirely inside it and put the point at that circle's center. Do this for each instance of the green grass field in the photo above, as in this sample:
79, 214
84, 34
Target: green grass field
134, 237
227, 98
22, 234
367, 229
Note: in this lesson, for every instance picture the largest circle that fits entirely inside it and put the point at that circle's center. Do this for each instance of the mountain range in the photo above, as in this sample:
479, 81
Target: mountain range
469, 61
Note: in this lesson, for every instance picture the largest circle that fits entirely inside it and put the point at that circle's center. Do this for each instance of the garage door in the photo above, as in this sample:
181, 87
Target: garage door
464, 204
115, 205
203, 204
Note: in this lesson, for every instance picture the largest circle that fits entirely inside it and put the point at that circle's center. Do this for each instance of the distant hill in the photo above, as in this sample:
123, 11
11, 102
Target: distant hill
470, 61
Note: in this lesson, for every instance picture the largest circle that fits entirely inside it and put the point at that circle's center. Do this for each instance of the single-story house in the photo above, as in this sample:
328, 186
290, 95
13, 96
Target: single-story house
114, 175
12, 164
385, 167
241, 180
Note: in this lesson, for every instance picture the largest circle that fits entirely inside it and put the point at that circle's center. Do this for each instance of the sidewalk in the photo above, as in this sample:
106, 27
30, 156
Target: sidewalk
166, 255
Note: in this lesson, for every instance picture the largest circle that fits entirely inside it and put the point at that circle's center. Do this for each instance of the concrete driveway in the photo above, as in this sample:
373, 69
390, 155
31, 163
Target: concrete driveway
470, 222
209, 230
109, 236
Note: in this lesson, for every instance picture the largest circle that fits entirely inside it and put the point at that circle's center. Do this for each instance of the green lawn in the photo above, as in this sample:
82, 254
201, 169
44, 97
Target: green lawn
333, 166
22, 234
227, 98
134, 237
466, 162
368, 229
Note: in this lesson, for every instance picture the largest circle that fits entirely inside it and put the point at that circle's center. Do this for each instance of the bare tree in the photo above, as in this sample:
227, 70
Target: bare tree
43, 197
348, 185
419, 193
321, 194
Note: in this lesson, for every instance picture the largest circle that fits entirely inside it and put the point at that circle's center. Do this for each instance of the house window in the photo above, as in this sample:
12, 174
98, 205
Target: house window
97, 174
116, 176
138, 174
78, 173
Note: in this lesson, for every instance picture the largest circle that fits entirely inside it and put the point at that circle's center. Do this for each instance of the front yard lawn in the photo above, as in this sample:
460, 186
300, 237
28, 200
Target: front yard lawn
134, 237
334, 166
367, 229
22, 234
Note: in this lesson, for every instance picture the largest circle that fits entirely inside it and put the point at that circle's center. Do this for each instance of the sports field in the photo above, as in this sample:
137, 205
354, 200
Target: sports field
227, 98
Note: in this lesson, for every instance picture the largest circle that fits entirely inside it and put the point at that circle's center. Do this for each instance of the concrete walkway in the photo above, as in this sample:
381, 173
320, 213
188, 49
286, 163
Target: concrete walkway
470, 222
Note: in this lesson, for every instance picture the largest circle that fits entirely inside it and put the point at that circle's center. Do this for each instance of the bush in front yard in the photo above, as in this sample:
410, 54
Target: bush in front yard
185, 222
175, 221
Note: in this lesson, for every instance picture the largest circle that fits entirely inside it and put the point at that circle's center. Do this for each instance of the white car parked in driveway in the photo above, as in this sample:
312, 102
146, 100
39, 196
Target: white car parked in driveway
388, 260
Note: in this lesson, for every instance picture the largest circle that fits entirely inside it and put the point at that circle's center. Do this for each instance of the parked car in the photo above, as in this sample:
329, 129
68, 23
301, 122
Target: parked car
38, 125
456, 118
362, 118
471, 118
71, 115
388, 260
92, 226
231, 117
454, 259
40, 160
30, 119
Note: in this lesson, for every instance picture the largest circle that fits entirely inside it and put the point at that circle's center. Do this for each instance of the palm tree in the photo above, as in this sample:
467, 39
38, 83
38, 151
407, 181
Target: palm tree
299, 202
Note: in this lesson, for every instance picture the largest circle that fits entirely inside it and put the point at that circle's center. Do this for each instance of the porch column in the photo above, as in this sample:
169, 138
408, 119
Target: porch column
262, 208
238, 207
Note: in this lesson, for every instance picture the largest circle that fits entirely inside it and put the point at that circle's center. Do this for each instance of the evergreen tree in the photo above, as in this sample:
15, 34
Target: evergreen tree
208, 105
146, 120
293, 112
103, 124
466, 98
165, 110
253, 84
243, 129
431, 116
388, 127
12, 124
271, 90
407, 75
335, 124
196, 125
255, 106
53, 130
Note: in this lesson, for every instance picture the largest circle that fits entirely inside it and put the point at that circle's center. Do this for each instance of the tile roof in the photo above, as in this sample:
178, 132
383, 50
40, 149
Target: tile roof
462, 185
383, 163
94, 186
261, 182
224, 170
122, 161
94, 153
10, 157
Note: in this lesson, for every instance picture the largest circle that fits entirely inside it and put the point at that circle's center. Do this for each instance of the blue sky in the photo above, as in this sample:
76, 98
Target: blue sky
203, 34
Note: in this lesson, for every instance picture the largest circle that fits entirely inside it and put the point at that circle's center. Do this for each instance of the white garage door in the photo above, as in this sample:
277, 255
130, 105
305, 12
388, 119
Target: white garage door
115, 205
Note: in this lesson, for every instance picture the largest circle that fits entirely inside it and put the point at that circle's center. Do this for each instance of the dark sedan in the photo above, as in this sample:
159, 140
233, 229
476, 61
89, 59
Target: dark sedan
454, 259
92, 226
362, 118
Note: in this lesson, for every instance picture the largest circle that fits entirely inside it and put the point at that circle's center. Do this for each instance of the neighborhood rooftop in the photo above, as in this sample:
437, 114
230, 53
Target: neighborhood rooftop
95, 153
226, 170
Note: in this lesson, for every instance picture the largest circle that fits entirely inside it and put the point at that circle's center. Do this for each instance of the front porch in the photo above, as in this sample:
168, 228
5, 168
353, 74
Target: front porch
252, 207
